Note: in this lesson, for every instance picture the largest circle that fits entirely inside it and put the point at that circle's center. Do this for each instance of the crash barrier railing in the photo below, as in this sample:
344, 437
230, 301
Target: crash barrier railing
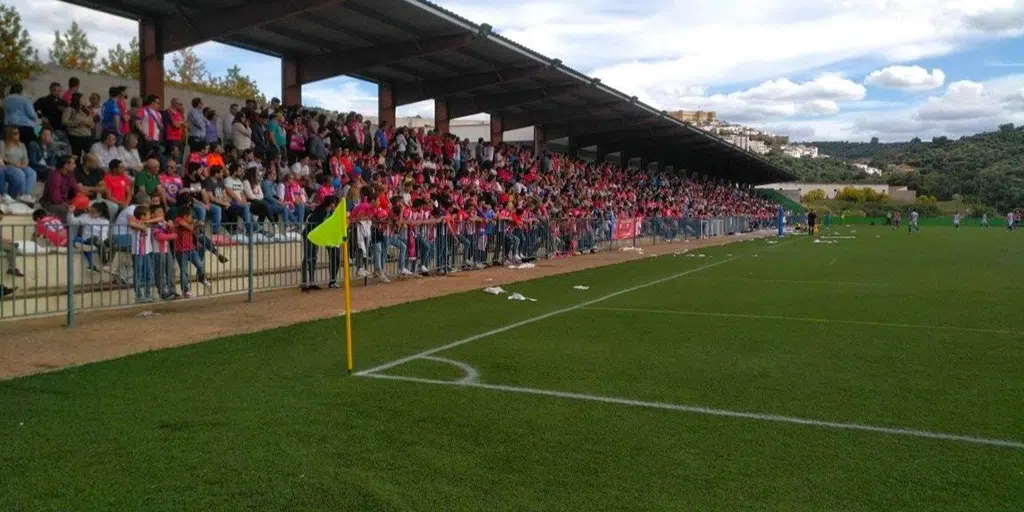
49, 272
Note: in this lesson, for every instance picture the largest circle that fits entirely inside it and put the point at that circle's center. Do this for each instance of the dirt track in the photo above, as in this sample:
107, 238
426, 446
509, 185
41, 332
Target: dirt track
44, 344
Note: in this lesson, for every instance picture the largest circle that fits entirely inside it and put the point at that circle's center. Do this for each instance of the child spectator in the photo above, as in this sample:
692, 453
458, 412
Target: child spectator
94, 232
294, 200
325, 190
141, 249
50, 229
163, 260
186, 252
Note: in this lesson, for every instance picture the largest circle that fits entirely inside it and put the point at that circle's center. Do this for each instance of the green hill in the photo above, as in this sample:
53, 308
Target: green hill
822, 170
987, 168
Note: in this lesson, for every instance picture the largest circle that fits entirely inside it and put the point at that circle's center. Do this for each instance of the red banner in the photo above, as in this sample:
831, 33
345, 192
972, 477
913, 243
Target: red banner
627, 228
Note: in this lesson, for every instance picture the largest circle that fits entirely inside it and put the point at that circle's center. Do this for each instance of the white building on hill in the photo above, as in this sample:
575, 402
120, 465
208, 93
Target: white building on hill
868, 169
800, 151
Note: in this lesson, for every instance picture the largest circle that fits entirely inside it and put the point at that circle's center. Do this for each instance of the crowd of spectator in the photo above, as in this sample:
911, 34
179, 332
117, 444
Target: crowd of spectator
163, 185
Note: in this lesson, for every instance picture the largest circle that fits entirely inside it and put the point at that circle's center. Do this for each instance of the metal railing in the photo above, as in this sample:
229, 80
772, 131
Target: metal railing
66, 274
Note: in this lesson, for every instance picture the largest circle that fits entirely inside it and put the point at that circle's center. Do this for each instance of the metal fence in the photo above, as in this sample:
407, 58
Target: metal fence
58, 274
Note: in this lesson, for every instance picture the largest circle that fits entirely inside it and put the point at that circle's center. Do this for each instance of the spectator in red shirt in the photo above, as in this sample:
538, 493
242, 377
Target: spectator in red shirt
118, 185
174, 128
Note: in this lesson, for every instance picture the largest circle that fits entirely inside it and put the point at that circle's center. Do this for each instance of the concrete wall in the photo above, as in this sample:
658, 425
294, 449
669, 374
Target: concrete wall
902, 194
474, 130
39, 85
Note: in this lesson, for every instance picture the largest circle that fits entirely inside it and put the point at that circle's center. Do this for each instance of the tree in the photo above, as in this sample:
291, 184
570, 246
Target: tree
121, 62
189, 71
18, 60
72, 49
237, 85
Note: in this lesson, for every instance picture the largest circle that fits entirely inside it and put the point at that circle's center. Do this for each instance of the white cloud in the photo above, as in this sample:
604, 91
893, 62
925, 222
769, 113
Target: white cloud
962, 100
1003, 19
716, 42
963, 108
820, 107
770, 100
829, 87
907, 78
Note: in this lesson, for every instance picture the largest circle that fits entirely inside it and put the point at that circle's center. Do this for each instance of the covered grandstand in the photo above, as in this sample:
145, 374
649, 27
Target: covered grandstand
415, 51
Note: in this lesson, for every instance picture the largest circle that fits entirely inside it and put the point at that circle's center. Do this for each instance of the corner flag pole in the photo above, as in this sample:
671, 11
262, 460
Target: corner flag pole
333, 234
348, 307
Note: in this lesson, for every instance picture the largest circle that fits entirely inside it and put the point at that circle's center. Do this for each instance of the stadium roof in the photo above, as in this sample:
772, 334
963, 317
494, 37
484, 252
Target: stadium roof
427, 52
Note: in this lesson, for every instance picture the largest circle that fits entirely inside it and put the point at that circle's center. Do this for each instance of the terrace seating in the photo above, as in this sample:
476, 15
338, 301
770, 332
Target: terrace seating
421, 191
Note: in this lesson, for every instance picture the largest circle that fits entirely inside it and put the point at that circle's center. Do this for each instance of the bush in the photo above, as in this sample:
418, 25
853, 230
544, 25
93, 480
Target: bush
814, 196
861, 195
883, 209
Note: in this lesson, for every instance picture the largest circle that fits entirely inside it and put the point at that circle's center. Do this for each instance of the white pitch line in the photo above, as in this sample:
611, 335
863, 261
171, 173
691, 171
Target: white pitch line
795, 281
833, 262
805, 319
515, 325
472, 376
721, 412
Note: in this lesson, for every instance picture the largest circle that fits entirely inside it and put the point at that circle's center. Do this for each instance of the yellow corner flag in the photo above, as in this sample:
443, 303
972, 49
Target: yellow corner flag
333, 232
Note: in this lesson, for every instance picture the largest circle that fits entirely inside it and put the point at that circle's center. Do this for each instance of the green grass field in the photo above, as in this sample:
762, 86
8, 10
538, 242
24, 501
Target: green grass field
881, 372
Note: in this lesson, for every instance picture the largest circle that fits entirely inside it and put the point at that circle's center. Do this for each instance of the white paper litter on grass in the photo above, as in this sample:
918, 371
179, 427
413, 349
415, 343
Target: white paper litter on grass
495, 290
639, 250
148, 313
580, 287
691, 255
820, 241
522, 266
773, 242
520, 297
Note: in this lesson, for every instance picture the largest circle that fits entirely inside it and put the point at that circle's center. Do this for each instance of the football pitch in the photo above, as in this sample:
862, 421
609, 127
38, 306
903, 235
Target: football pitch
871, 370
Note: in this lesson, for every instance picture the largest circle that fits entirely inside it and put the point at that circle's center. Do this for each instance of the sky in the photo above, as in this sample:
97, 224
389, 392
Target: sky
813, 70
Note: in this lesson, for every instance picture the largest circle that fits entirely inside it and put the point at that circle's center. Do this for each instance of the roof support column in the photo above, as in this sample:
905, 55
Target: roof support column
602, 154
151, 60
291, 85
539, 139
497, 130
386, 105
574, 149
441, 121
